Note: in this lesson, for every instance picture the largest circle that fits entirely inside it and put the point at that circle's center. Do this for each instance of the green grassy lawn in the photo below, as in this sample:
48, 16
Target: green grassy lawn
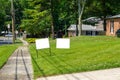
6, 51
86, 53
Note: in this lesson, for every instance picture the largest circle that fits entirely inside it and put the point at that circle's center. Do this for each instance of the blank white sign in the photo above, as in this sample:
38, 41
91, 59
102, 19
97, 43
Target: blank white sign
63, 43
42, 43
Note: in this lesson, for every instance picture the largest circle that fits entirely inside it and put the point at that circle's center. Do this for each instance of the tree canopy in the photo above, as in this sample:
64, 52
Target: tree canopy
41, 17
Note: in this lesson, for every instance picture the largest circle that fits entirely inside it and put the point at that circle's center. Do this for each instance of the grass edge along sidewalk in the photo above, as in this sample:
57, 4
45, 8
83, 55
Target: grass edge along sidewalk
6, 51
86, 54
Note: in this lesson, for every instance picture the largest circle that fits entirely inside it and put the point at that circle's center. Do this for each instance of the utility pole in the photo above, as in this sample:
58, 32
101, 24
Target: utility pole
13, 20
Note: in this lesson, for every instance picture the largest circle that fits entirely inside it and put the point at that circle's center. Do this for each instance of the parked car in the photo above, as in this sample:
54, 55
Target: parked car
9, 35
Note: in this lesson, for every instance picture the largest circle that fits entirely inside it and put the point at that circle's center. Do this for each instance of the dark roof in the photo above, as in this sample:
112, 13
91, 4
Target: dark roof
114, 17
92, 20
86, 27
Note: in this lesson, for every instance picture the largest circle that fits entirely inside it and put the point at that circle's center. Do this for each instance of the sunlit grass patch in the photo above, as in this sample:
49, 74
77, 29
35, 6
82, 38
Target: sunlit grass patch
86, 53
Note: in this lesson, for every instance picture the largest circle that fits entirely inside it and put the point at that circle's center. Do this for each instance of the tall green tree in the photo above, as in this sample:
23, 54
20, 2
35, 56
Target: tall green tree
37, 18
67, 14
102, 9
3, 5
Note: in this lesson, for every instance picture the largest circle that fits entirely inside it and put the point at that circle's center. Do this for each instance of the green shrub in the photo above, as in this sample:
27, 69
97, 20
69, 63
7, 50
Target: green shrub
31, 40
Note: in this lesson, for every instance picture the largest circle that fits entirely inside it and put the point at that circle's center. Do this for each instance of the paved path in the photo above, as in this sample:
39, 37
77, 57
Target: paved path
109, 74
19, 66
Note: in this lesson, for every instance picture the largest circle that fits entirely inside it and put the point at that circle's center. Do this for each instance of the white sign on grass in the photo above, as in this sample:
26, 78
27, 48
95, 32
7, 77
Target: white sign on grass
42, 43
63, 43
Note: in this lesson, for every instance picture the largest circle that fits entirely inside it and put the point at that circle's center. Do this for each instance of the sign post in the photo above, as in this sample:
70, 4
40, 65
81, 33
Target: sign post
42, 44
61, 43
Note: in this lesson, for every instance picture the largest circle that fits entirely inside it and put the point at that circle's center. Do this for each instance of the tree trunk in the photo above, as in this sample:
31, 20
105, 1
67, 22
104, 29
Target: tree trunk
52, 29
104, 23
52, 22
80, 13
104, 14
79, 27
13, 20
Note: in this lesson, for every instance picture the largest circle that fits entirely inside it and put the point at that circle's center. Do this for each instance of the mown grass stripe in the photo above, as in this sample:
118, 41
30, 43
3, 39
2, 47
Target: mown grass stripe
86, 53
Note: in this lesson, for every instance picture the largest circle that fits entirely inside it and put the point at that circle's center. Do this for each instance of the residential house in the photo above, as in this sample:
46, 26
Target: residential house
88, 29
112, 25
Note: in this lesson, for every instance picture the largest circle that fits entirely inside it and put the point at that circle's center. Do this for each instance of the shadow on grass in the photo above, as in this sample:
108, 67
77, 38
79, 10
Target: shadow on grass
38, 67
59, 67
53, 62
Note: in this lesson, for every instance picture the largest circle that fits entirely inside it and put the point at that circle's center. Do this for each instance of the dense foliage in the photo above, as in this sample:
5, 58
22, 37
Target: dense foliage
38, 17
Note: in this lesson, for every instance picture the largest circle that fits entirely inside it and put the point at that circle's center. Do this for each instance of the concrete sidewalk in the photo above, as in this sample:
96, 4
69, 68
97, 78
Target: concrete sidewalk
109, 74
19, 65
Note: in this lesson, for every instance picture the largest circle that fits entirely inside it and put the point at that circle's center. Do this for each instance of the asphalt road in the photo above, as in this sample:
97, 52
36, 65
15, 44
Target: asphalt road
5, 40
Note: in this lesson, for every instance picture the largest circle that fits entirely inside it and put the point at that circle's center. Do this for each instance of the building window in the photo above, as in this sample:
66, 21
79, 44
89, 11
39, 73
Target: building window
88, 32
111, 27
